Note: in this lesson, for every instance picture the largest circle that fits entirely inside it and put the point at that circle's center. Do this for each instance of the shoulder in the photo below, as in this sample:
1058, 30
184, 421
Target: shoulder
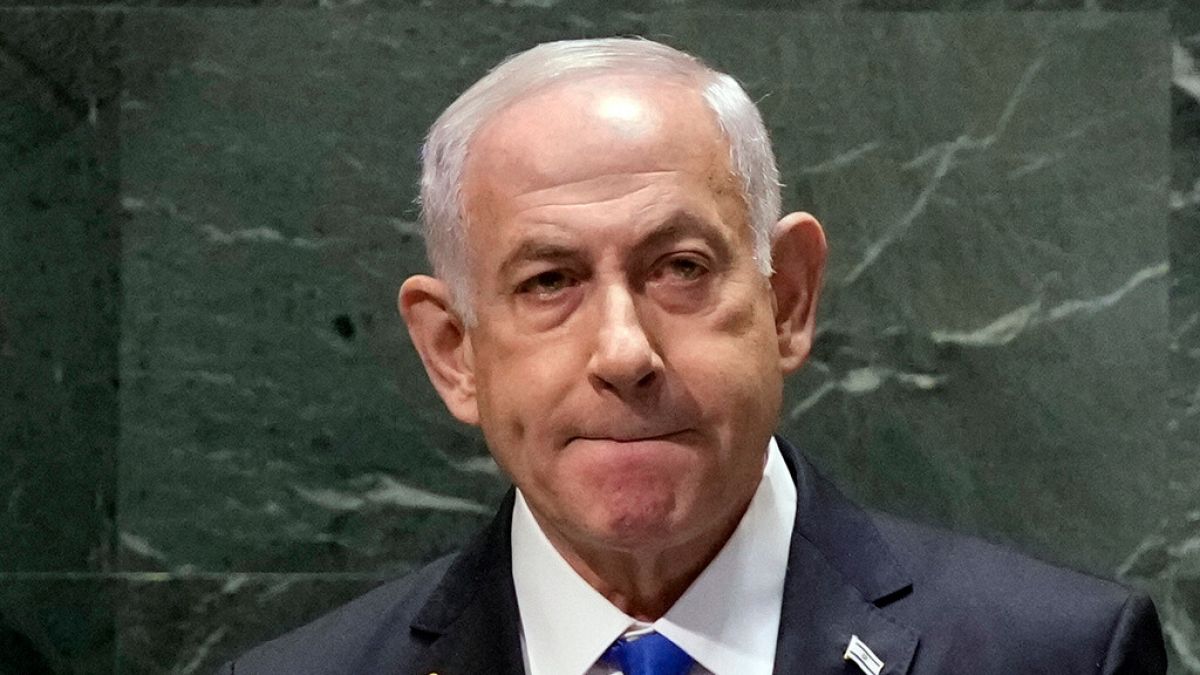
373, 627
971, 597
958, 563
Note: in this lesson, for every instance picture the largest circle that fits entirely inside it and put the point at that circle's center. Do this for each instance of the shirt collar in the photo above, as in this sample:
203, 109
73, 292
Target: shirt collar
727, 620
565, 623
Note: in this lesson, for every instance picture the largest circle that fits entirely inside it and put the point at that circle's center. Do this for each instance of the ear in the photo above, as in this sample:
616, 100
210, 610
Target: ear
798, 258
437, 333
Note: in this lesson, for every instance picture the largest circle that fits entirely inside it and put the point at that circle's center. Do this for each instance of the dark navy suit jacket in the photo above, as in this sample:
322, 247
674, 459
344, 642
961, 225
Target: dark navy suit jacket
925, 601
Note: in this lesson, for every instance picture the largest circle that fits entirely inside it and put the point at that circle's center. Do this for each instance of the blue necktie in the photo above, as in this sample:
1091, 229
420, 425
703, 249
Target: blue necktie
650, 654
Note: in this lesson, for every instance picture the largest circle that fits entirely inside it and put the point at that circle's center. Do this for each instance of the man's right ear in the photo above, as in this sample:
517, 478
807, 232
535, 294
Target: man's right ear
438, 334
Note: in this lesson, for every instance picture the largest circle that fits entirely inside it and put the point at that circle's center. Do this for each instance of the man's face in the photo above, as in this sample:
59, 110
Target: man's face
625, 362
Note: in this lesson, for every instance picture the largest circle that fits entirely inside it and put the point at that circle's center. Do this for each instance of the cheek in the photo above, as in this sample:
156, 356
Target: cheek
520, 384
736, 381
741, 331
732, 367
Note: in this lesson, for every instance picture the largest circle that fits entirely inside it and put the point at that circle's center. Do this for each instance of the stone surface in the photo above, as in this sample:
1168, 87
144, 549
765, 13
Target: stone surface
147, 624
59, 289
1008, 340
601, 7
274, 419
274, 416
1169, 557
991, 346
57, 626
193, 625
992, 387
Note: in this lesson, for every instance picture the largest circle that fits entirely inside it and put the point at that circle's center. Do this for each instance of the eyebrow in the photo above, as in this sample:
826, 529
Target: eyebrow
678, 225
534, 249
683, 224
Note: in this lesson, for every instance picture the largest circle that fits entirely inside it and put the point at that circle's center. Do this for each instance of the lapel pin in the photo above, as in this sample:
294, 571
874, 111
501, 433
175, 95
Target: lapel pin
862, 656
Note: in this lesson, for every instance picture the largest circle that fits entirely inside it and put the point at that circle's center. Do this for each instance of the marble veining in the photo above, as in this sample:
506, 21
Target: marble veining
1010, 325
213, 425
381, 489
942, 156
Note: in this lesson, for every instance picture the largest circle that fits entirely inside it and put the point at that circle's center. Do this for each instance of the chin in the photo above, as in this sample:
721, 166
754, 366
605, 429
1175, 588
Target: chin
637, 524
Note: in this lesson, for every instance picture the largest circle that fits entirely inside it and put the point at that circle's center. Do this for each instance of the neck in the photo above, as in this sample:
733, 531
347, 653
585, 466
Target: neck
644, 582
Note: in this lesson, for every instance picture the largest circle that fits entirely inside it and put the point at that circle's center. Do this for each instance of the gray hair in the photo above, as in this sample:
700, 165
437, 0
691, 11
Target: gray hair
444, 155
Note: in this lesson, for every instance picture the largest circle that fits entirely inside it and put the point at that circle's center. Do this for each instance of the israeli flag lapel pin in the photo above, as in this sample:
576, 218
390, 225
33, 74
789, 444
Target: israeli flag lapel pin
862, 656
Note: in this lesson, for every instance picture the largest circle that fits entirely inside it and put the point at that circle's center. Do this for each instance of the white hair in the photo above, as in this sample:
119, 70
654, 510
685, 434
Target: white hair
444, 155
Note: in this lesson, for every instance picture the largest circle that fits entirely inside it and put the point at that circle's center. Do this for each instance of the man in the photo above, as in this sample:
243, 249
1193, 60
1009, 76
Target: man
616, 303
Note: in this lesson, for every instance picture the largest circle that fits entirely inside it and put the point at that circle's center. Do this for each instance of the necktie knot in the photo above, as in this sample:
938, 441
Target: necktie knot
649, 654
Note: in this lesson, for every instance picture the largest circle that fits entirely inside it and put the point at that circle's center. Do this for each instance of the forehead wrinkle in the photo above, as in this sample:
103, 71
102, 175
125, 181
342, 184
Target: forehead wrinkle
523, 155
601, 182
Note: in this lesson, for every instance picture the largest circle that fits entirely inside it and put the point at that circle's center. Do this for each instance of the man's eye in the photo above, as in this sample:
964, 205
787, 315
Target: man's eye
683, 269
546, 283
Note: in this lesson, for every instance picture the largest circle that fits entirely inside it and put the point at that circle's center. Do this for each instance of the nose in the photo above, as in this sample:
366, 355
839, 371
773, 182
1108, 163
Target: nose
624, 360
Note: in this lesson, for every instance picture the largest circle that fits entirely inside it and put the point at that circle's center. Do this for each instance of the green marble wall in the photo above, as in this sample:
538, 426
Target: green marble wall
213, 428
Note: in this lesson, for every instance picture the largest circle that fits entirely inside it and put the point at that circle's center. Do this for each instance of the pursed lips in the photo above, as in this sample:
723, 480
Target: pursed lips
618, 437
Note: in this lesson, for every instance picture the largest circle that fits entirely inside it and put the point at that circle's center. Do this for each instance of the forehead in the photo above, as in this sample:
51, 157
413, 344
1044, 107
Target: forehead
602, 128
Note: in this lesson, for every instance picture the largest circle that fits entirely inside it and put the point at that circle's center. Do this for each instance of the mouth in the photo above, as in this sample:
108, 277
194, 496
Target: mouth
619, 437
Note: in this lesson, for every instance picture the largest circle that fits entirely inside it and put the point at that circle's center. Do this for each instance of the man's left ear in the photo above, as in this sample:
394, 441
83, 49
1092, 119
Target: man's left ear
798, 258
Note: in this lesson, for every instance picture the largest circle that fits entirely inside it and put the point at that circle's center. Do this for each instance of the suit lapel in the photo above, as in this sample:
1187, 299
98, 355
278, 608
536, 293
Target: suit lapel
470, 622
840, 574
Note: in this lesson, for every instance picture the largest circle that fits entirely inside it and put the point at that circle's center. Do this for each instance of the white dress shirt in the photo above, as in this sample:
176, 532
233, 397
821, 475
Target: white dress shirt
727, 620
